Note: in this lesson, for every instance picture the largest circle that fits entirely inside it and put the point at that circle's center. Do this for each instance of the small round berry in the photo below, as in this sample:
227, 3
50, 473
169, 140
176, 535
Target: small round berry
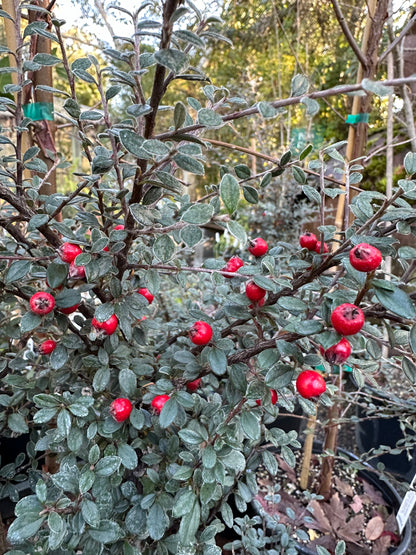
308, 241
69, 309
120, 409
347, 319
158, 402
254, 292
47, 347
365, 258
41, 303
68, 252
200, 333
318, 247
338, 353
258, 247
257, 304
310, 384
76, 272
108, 327
194, 385
233, 265
119, 227
274, 398
146, 294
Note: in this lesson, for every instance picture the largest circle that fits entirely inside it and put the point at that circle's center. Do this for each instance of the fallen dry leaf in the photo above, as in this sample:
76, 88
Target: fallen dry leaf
374, 528
356, 504
343, 487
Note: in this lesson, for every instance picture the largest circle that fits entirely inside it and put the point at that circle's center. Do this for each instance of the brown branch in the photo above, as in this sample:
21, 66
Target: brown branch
348, 35
398, 39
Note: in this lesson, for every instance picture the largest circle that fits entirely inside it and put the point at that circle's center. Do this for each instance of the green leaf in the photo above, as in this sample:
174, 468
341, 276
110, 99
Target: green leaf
107, 532
279, 377
250, 425
209, 457
29, 322
410, 163
56, 274
242, 171
250, 194
133, 143
340, 548
218, 361
164, 248
190, 524
375, 87
198, 214
189, 164
312, 194
63, 422
179, 114
58, 357
55, 522
155, 147
397, 301
237, 231
157, 521
46, 401
312, 106
173, 59
38, 219
17, 423
189, 436
409, 368
191, 235
168, 413
183, 503
292, 305
230, 192
24, 527
305, 152
86, 481
269, 461
90, 513
128, 382
299, 175
209, 118
17, 270
267, 110
46, 59
128, 456
234, 460
107, 465
101, 379
138, 110
112, 91
299, 85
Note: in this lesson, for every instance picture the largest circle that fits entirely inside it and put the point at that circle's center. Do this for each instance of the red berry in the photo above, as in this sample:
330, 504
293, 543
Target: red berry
365, 258
106, 249
347, 319
68, 252
194, 385
310, 384
69, 309
76, 272
158, 402
200, 333
259, 303
146, 293
120, 409
119, 226
254, 292
318, 247
41, 303
108, 327
273, 394
47, 347
233, 265
338, 353
258, 247
308, 241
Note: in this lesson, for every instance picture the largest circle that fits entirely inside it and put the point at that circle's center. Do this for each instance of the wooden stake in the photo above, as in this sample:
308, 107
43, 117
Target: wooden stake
307, 452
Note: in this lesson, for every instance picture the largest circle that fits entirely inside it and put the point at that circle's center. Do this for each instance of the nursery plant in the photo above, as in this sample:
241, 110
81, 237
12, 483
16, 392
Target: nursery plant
146, 382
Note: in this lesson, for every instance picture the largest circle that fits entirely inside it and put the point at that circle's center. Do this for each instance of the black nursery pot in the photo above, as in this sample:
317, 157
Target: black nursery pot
388, 492
370, 434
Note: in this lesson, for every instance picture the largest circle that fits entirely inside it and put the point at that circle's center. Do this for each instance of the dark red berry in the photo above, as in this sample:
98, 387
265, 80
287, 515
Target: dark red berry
76, 272
365, 258
69, 309
108, 327
200, 333
158, 402
41, 303
69, 251
119, 226
338, 353
254, 292
47, 347
347, 319
318, 247
258, 247
146, 293
194, 385
233, 265
310, 384
274, 397
120, 409
308, 241
258, 304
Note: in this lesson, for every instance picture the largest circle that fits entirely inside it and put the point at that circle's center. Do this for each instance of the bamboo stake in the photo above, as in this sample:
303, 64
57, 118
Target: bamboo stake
307, 451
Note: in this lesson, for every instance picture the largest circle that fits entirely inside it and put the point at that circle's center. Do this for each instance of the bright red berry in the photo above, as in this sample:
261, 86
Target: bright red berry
69, 309
68, 252
308, 241
273, 394
310, 384
108, 327
259, 303
47, 347
347, 319
41, 303
146, 293
158, 402
76, 272
338, 353
258, 247
365, 258
120, 409
254, 292
233, 265
318, 247
194, 385
119, 226
200, 333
